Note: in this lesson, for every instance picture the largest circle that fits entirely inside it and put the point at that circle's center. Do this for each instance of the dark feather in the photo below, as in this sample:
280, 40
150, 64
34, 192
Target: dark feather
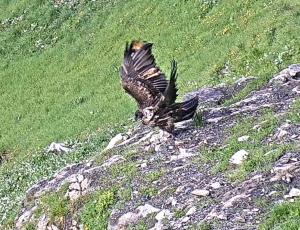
139, 62
143, 92
171, 91
186, 109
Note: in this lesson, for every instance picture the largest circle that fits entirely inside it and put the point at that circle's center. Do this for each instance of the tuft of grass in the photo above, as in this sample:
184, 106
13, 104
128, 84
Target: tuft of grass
285, 216
179, 213
97, 210
294, 113
55, 205
149, 191
124, 170
153, 176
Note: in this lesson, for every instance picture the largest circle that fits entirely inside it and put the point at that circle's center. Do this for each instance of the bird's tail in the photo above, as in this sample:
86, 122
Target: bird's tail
188, 109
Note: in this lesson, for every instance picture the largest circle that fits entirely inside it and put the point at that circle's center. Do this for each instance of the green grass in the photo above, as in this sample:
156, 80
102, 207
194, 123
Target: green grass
294, 115
59, 68
55, 205
96, 212
285, 216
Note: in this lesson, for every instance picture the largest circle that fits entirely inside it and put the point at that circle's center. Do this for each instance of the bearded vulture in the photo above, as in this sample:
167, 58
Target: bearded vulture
155, 96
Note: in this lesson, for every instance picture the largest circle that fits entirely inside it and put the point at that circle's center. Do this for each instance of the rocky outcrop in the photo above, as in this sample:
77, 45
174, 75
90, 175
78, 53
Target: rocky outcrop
171, 186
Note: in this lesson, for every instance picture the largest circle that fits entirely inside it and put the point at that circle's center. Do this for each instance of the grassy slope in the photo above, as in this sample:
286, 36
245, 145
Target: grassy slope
71, 86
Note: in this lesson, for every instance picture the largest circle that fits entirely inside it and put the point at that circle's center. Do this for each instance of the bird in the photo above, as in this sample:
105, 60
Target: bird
156, 97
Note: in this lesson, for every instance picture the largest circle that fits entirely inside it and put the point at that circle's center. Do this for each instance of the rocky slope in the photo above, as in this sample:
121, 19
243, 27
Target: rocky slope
185, 181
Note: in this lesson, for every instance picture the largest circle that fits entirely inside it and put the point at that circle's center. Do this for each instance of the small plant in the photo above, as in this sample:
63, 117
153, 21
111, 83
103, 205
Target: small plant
153, 176
148, 192
179, 213
55, 205
96, 212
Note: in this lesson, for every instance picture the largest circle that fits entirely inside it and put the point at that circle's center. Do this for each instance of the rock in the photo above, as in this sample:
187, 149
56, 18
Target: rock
282, 133
215, 185
239, 157
163, 214
294, 69
200, 192
125, 220
191, 211
114, 141
185, 219
25, 217
243, 138
132, 217
171, 200
52, 227
80, 178
147, 209
58, 148
144, 165
230, 202
85, 183
183, 153
73, 194
294, 192
112, 160
75, 186
42, 223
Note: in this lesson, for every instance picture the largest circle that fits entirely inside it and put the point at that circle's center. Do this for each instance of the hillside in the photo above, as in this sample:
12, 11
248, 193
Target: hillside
59, 70
202, 178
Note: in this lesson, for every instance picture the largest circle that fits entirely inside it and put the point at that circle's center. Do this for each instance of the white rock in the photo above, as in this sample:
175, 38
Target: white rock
156, 148
52, 227
80, 177
183, 153
112, 160
114, 141
282, 133
171, 200
180, 189
25, 217
163, 214
74, 194
185, 219
158, 226
147, 209
125, 220
191, 211
143, 165
230, 202
239, 157
42, 224
215, 185
243, 138
58, 148
85, 183
74, 186
272, 193
294, 192
200, 192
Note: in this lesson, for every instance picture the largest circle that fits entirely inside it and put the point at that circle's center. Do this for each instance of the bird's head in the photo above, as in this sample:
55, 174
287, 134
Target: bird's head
148, 114
138, 115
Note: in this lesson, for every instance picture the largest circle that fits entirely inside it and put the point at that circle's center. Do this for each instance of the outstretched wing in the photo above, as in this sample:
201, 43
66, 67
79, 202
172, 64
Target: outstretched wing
171, 91
139, 62
143, 92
